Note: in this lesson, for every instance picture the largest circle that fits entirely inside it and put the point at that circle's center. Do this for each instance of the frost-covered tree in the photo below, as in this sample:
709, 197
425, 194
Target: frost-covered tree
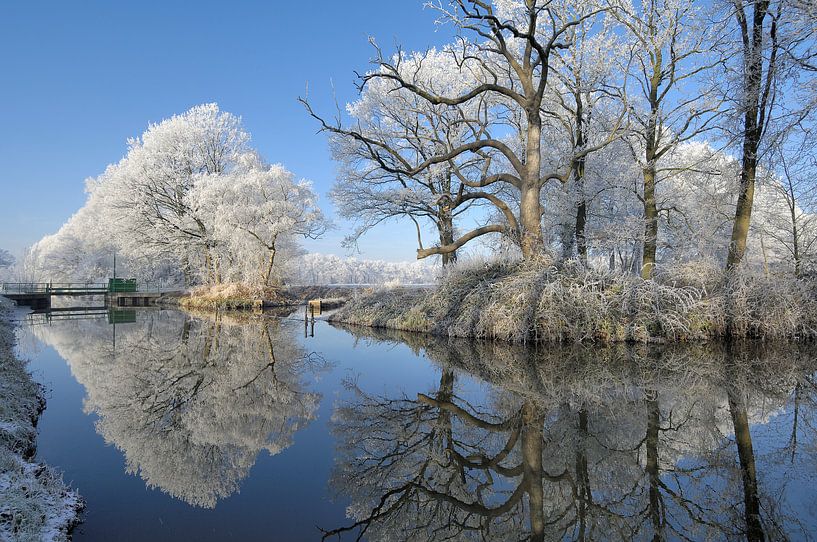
769, 83
6, 259
191, 202
510, 58
585, 108
393, 131
258, 208
673, 49
149, 188
322, 269
7, 262
788, 215
82, 249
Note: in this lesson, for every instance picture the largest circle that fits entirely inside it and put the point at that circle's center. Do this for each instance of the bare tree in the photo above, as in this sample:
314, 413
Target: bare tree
393, 131
672, 47
774, 51
511, 62
583, 113
794, 191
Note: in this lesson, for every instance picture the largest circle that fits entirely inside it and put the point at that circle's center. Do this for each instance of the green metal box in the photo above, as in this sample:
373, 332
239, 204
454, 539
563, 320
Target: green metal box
121, 285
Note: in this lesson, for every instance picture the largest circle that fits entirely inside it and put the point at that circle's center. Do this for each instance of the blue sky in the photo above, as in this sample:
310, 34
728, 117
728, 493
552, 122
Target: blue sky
78, 78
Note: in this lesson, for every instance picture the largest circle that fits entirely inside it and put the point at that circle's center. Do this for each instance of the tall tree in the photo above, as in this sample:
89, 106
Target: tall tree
392, 131
672, 51
510, 61
774, 54
583, 113
148, 189
789, 213
261, 208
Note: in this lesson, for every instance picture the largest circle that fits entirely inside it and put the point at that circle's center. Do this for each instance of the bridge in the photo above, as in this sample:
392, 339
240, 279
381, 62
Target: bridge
117, 292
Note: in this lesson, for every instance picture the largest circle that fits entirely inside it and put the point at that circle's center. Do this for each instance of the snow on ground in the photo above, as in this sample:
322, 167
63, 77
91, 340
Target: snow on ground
35, 503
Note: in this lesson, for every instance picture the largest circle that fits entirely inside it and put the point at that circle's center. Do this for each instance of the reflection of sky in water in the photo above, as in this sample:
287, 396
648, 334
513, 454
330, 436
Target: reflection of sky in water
794, 480
285, 496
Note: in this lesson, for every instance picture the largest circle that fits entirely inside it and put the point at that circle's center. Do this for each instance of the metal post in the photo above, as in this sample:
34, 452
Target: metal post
306, 321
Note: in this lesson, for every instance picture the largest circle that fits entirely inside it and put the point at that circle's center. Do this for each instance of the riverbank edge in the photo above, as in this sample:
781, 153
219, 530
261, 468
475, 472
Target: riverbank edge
526, 302
230, 297
35, 503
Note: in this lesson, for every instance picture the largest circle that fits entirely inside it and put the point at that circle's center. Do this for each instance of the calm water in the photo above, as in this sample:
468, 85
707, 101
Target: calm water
175, 427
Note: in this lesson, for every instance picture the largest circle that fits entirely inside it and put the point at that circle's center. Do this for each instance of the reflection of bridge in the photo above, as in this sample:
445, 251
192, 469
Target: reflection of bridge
38, 294
39, 318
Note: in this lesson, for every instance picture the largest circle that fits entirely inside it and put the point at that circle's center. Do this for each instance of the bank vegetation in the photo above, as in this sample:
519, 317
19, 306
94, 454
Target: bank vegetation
528, 301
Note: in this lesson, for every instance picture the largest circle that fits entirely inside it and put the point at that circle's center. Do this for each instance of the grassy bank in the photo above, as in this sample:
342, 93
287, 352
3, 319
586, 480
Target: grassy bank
243, 297
533, 302
231, 296
35, 504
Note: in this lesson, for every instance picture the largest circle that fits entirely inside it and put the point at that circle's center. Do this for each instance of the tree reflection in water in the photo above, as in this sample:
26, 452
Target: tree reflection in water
628, 443
191, 401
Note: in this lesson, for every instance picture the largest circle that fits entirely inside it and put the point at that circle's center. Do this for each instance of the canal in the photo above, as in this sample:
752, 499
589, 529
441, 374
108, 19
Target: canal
175, 426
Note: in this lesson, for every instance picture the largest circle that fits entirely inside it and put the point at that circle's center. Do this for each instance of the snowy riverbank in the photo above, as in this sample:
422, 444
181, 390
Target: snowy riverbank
35, 503
524, 302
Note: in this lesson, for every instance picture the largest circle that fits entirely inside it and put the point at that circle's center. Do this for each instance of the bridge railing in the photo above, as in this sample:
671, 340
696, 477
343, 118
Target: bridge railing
52, 287
69, 287
24, 287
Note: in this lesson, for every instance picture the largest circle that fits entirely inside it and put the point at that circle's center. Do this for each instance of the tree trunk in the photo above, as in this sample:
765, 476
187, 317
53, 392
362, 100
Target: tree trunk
652, 466
581, 221
584, 490
743, 213
651, 144
650, 223
208, 265
530, 206
270, 264
531, 215
217, 269
445, 226
795, 237
578, 176
445, 393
